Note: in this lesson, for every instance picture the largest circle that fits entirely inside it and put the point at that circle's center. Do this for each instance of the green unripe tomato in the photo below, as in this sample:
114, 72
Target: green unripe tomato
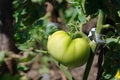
70, 52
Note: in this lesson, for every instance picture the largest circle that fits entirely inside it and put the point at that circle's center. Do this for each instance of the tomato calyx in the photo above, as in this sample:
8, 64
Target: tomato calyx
79, 34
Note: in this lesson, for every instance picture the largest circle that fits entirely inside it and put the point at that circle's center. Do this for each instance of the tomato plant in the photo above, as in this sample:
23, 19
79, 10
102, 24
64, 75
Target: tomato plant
35, 20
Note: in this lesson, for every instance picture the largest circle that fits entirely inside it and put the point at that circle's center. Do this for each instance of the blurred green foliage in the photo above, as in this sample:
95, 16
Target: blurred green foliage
31, 35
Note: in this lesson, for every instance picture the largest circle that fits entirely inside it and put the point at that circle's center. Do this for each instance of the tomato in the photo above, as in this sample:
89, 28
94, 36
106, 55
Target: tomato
117, 75
70, 52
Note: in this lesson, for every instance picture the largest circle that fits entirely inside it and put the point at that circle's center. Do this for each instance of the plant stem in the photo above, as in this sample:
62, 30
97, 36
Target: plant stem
90, 60
93, 45
41, 51
85, 37
66, 72
100, 22
64, 69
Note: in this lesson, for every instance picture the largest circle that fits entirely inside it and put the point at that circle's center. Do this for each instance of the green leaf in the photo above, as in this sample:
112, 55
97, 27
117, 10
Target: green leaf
22, 67
108, 40
2, 56
108, 76
8, 76
119, 13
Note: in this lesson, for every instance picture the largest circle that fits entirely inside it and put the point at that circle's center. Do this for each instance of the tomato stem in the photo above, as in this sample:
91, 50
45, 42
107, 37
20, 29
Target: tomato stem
90, 60
100, 22
64, 69
93, 45
85, 37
